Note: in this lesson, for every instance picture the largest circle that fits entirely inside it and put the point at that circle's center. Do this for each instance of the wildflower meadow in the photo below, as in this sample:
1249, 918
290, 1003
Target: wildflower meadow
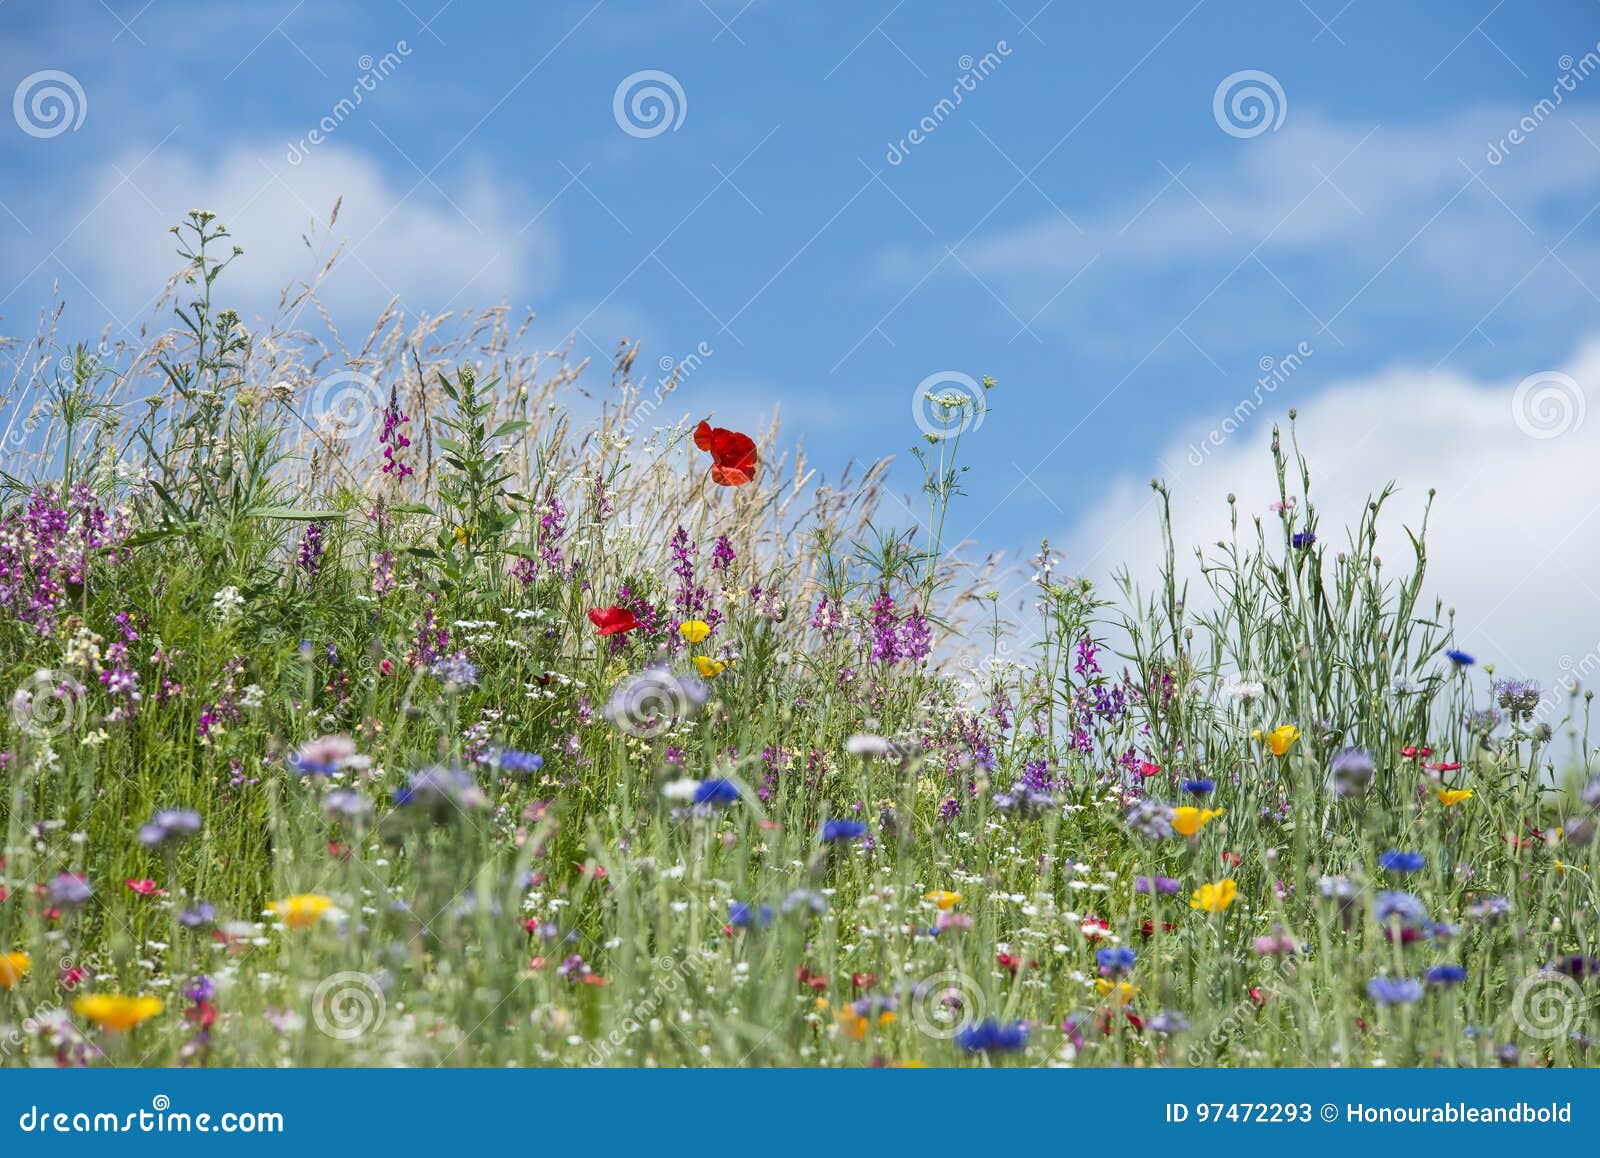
426, 701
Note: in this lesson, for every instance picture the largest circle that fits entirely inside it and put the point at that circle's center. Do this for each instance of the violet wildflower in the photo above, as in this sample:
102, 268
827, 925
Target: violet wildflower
169, 826
1352, 770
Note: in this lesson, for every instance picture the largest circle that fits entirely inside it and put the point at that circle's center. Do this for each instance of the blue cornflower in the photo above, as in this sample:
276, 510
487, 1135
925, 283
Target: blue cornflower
1199, 787
742, 916
1446, 975
716, 792
1459, 658
833, 830
1302, 539
991, 1036
1116, 961
1394, 991
1394, 905
1395, 861
520, 763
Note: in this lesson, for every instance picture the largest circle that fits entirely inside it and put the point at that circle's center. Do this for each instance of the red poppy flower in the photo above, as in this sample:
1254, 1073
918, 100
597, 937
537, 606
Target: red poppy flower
1411, 752
1443, 767
733, 455
612, 620
202, 1014
1147, 769
863, 980
145, 888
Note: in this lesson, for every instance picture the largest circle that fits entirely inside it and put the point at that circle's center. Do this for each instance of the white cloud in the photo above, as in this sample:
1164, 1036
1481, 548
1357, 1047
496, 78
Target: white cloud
1513, 538
398, 240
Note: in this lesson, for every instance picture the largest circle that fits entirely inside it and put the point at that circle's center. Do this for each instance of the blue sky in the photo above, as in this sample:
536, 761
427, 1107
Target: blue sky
1082, 226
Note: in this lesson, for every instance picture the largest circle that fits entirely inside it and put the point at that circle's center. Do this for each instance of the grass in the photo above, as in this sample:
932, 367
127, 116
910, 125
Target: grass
218, 549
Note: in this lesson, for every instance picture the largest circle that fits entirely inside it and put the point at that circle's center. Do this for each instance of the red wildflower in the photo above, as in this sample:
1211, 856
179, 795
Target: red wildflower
612, 620
203, 1014
813, 981
1443, 766
1411, 752
146, 888
1148, 929
1231, 859
1147, 769
863, 980
733, 455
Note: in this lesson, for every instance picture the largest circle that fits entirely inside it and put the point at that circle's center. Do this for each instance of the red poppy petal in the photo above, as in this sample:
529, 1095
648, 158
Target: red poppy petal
702, 435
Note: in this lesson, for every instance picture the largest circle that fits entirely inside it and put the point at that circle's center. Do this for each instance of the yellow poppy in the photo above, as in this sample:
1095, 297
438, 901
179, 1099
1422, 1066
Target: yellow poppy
1279, 739
115, 1012
12, 967
1215, 896
707, 667
694, 630
944, 899
1120, 992
1450, 797
302, 910
1189, 820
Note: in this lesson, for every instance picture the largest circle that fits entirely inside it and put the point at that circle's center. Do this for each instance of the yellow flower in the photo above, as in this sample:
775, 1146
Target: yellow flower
1120, 992
694, 630
1279, 739
461, 535
854, 1026
1188, 820
707, 667
12, 967
944, 899
1450, 797
115, 1012
302, 910
1216, 896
